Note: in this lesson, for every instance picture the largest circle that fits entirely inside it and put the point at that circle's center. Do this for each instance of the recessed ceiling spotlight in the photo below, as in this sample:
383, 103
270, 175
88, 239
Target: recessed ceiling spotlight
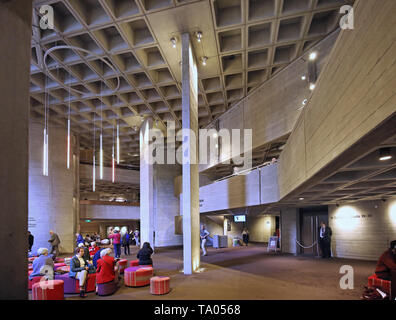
204, 59
303, 78
199, 36
304, 102
173, 40
312, 86
313, 56
301, 199
385, 154
215, 135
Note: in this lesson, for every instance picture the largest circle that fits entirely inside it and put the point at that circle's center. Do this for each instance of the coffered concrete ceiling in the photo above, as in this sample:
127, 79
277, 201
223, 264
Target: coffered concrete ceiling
246, 42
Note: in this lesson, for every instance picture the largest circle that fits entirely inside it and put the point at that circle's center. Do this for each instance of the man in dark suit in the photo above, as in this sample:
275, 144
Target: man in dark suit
325, 234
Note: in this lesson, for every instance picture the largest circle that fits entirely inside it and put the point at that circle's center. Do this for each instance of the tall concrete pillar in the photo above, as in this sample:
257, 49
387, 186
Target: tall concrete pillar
146, 185
190, 178
53, 199
15, 37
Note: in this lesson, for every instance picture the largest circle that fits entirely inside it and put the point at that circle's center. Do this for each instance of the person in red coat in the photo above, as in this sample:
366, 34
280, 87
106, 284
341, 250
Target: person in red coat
387, 263
107, 268
93, 249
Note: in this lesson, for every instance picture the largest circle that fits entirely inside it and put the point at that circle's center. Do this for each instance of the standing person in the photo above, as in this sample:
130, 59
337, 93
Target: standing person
125, 243
386, 263
204, 234
79, 239
30, 240
325, 234
116, 237
245, 236
136, 235
79, 268
54, 241
144, 255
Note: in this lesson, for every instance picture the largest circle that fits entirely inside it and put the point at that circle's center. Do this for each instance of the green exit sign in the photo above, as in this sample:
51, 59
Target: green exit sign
87, 220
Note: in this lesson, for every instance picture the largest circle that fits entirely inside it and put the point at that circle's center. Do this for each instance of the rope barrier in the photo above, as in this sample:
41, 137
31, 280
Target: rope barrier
306, 247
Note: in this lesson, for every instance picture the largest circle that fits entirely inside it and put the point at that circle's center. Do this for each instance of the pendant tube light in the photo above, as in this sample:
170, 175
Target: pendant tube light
118, 143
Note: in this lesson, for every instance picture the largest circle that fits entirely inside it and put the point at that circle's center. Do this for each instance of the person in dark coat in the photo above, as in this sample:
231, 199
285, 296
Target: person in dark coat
86, 256
144, 255
325, 234
31, 240
79, 239
387, 263
79, 268
54, 241
125, 244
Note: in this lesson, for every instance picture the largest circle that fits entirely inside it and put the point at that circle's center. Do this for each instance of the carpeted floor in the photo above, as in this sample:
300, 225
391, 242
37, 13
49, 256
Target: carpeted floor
249, 273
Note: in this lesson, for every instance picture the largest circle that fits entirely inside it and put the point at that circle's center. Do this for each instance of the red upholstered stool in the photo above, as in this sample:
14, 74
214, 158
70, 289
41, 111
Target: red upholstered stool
58, 265
32, 281
31, 259
159, 285
374, 281
59, 260
48, 290
123, 264
30, 267
134, 263
137, 276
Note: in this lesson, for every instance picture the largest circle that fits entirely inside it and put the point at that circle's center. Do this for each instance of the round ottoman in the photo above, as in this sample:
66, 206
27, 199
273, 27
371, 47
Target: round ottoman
137, 276
33, 280
58, 265
71, 285
59, 260
106, 289
31, 259
122, 264
134, 263
67, 260
159, 285
48, 290
64, 268
30, 267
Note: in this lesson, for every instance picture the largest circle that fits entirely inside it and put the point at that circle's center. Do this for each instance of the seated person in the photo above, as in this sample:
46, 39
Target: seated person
86, 251
107, 268
144, 254
96, 257
93, 249
44, 260
387, 263
79, 268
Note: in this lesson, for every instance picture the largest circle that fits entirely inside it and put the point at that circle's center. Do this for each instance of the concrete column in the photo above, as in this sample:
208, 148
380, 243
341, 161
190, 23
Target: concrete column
190, 179
53, 199
15, 30
146, 186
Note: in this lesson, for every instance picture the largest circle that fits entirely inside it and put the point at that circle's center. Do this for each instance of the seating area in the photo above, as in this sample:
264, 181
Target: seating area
384, 285
134, 276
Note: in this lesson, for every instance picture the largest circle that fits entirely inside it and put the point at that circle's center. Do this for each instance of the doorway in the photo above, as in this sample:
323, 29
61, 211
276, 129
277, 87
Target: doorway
310, 219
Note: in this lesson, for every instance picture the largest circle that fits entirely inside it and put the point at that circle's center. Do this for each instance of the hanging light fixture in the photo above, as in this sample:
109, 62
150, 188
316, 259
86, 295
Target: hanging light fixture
118, 143
199, 36
204, 59
45, 132
113, 161
93, 162
68, 135
101, 135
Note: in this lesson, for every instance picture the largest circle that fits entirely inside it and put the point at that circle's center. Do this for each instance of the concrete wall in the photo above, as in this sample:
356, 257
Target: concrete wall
109, 212
272, 109
354, 94
261, 228
53, 199
121, 175
166, 205
289, 230
362, 230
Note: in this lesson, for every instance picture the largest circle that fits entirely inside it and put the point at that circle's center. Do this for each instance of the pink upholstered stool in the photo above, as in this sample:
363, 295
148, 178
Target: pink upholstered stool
134, 263
58, 265
59, 260
374, 281
137, 276
64, 268
30, 267
48, 290
122, 263
159, 285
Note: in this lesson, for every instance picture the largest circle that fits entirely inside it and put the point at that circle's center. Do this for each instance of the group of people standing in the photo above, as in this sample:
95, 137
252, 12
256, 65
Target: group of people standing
124, 240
